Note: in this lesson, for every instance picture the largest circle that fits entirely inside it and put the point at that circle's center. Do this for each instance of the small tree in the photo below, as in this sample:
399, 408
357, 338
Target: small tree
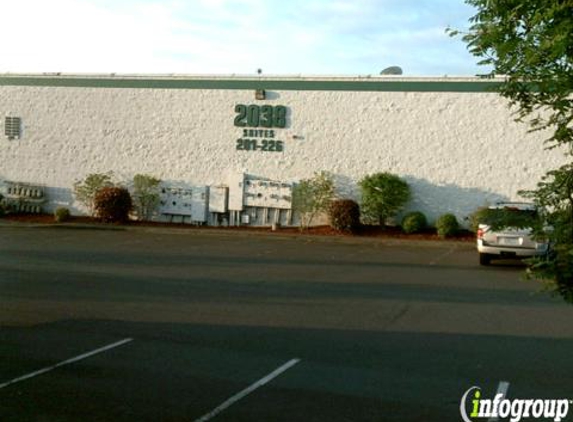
312, 196
85, 190
383, 195
145, 195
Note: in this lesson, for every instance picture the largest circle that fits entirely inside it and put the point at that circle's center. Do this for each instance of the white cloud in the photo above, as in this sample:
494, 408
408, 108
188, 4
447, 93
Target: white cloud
68, 35
225, 36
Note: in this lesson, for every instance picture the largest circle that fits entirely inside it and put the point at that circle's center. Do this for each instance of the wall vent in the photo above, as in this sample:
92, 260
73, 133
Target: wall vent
12, 127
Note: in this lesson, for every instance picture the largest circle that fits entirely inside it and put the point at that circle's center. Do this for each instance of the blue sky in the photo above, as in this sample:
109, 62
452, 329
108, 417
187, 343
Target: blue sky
308, 37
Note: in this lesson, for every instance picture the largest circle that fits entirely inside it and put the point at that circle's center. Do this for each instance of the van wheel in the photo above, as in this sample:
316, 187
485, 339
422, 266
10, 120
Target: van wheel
484, 259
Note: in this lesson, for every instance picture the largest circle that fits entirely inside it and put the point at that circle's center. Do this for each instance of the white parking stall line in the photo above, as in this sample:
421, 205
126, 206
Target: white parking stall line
248, 391
501, 389
66, 362
442, 256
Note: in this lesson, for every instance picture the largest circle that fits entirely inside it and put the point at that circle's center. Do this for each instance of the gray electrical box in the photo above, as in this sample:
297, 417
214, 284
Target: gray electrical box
252, 191
236, 192
185, 202
199, 204
265, 193
24, 197
175, 201
218, 199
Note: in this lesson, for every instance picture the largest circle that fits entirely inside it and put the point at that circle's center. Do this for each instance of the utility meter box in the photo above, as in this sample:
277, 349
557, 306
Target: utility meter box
218, 199
252, 191
185, 202
175, 201
236, 192
199, 204
265, 193
23, 197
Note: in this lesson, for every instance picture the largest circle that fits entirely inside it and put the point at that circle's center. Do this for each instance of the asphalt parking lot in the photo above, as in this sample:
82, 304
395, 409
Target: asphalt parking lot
149, 325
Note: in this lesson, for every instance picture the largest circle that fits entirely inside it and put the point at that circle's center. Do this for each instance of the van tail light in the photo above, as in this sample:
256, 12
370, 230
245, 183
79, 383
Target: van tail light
480, 233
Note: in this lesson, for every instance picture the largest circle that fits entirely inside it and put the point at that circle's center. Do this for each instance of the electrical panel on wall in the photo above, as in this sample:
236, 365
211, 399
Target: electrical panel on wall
252, 191
185, 202
267, 193
218, 199
176, 201
236, 191
23, 197
199, 204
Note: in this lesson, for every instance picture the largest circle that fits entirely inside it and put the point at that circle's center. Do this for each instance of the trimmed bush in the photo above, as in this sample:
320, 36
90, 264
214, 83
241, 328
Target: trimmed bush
113, 204
61, 214
383, 195
414, 222
344, 215
447, 225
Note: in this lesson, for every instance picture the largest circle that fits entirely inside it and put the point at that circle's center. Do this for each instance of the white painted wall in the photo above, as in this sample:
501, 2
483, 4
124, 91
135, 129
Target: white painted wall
457, 150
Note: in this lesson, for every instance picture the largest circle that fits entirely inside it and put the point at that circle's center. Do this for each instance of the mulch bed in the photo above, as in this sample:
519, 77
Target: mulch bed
365, 231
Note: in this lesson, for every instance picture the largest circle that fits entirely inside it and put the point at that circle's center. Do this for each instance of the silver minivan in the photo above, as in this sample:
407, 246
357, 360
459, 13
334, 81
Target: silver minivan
509, 242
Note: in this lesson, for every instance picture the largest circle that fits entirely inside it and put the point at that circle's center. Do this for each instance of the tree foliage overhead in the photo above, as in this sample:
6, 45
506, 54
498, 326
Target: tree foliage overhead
530, 43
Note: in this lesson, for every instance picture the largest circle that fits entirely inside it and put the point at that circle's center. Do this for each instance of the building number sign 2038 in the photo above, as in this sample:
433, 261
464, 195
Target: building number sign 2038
260, 116
254, 116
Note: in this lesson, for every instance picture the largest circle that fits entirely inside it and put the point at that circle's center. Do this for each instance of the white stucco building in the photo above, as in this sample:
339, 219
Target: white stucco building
453, 140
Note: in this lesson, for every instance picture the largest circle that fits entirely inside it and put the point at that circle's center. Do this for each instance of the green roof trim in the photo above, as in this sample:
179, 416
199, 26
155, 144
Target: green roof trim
364, 85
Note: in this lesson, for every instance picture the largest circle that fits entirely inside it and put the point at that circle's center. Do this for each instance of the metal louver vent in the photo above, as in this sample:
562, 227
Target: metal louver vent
12, 127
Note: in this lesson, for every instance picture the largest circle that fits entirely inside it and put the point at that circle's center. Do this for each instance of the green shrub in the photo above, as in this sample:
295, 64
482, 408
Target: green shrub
146, 196
344, 215
3, 206
61, 215
85, 190
447, 225
414, 222
312, 196
113, 204
383, 195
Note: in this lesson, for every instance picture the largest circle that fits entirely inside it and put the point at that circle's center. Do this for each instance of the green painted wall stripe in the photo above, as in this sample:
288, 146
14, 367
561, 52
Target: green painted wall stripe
242, 84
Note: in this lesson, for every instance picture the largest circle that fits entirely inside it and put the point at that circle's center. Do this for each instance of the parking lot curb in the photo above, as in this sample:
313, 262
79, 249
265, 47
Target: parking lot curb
230, 232
73, 226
